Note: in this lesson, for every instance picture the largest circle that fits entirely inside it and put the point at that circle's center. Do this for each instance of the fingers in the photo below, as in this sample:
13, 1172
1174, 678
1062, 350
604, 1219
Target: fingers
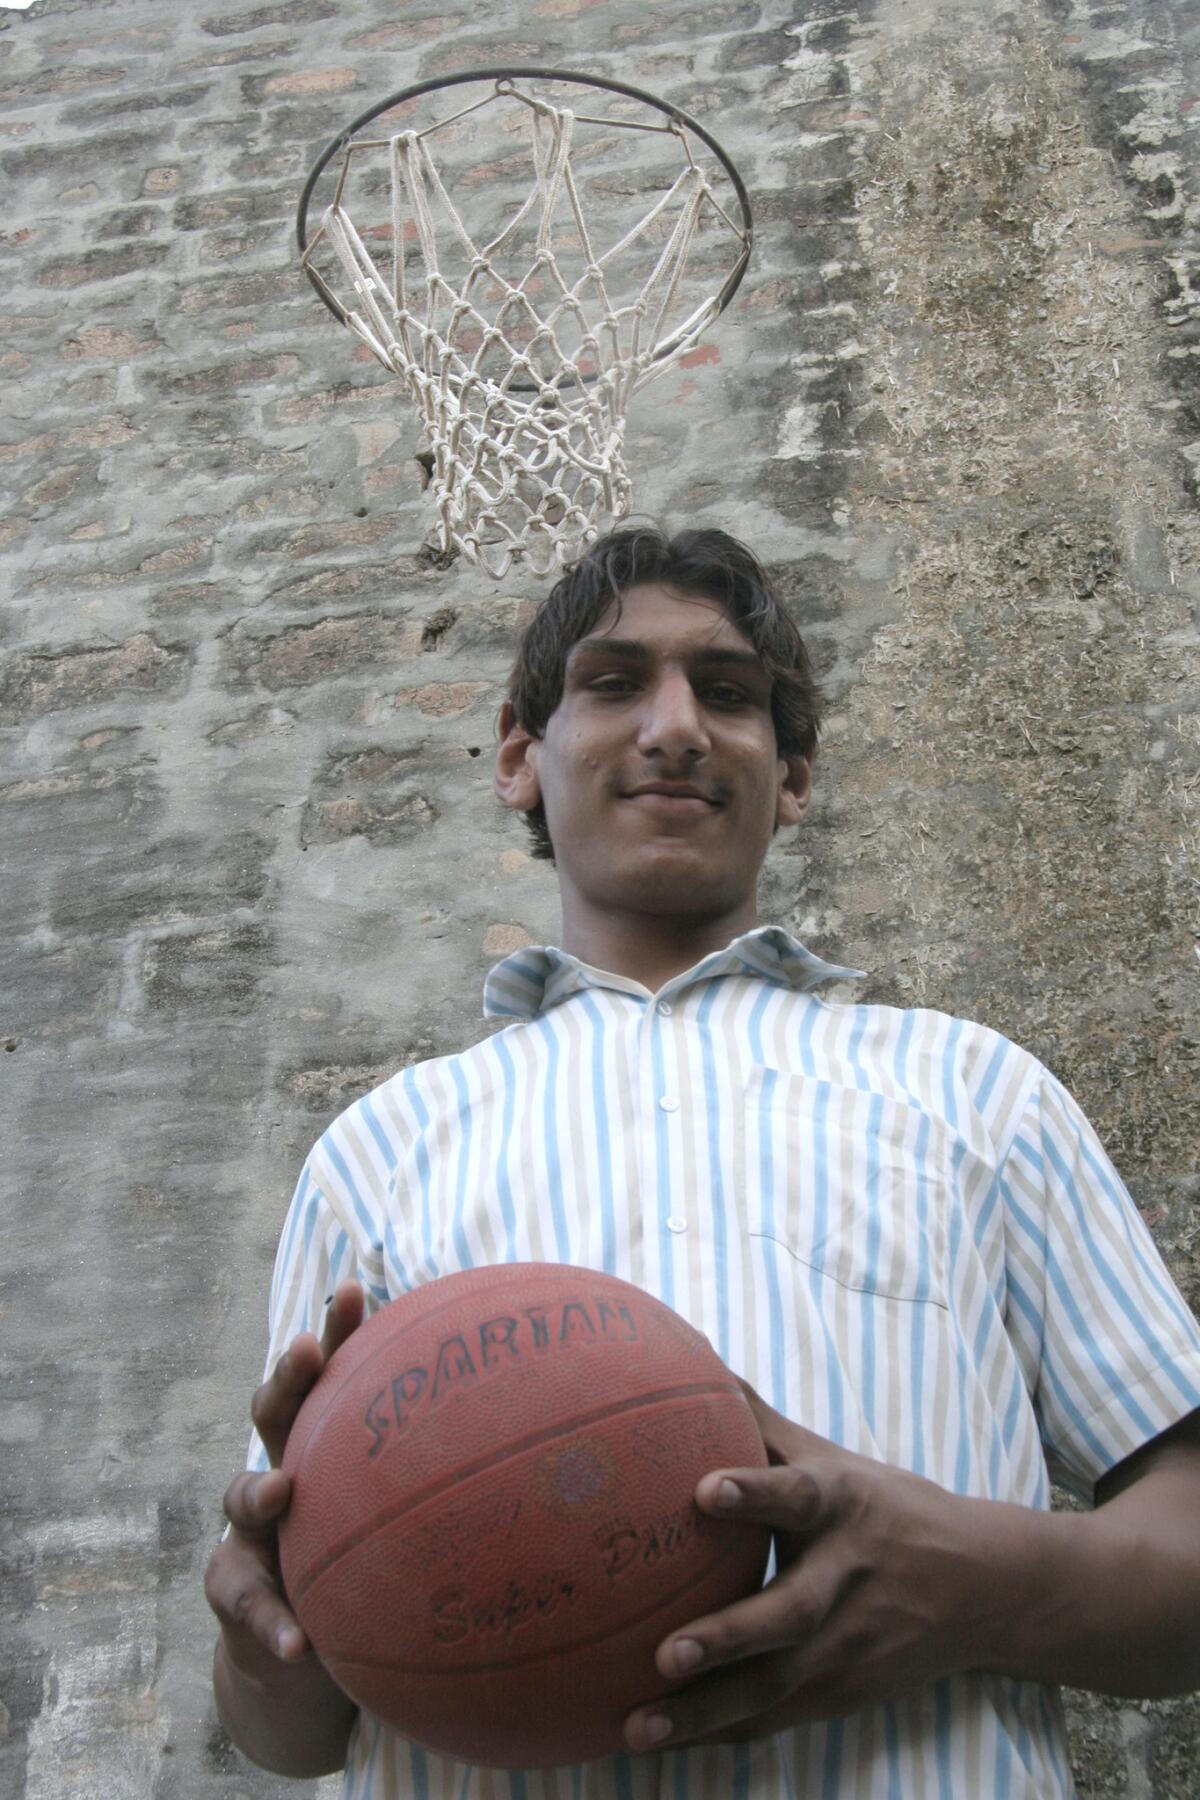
743, 1663
747, 1659
737, 1703
795, 1499
276, 1403
254, 1504
343, 1316
787, 1614
848, 1620
810, 1703
256, 1621
242, 1581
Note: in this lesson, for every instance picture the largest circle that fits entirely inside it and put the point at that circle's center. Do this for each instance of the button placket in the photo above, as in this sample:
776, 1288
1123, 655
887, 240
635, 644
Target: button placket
667, 1102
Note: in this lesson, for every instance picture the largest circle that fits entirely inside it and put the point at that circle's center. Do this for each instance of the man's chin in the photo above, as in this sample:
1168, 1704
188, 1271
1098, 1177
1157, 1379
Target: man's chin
671, 883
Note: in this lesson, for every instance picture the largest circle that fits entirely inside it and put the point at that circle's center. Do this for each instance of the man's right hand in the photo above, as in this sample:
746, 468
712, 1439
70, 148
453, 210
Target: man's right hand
277, 1702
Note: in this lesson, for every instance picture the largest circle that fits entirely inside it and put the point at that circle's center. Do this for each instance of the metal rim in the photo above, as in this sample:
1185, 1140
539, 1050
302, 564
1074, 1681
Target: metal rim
344, 139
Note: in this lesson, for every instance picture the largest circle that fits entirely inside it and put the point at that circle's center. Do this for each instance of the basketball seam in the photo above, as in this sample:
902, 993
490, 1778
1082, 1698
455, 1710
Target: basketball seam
534, 1656
346, 1366
367, 1528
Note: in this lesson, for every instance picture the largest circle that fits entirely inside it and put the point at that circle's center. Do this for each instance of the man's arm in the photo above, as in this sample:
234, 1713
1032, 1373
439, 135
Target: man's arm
886, 1581
1134, 1584
275, 1699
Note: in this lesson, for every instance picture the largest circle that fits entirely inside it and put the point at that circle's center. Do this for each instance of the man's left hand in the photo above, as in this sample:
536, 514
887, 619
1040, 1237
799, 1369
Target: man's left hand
882, 1584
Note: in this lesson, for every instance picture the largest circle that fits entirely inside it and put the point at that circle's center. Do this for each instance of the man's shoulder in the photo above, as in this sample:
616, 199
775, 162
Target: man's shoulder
941, 1059
414, 1086
926, 1030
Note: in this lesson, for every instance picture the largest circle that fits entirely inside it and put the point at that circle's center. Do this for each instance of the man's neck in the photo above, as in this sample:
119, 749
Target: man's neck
649, 949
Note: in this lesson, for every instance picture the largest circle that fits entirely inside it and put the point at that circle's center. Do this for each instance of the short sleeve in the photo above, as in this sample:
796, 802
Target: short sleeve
1109, 1350
315, 1253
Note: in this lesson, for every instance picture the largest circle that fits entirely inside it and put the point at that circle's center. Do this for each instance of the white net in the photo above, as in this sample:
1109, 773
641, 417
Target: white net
521, 341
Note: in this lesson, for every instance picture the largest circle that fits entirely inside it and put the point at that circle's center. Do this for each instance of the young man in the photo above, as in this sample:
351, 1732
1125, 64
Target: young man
894, 1226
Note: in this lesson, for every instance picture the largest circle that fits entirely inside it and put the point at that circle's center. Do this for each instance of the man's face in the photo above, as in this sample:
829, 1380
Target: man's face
659, 770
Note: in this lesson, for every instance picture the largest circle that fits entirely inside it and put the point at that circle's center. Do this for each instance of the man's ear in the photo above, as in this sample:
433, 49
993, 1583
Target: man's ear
795, 789
516, 778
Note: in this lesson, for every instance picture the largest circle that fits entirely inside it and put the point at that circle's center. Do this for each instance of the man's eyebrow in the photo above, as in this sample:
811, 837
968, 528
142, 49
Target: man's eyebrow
630, 650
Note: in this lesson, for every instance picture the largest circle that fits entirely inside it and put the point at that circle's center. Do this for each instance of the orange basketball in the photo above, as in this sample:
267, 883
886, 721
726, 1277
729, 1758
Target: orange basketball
492, 1523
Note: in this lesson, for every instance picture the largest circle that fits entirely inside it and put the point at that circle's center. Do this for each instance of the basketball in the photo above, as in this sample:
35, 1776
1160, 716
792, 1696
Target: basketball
492, 1522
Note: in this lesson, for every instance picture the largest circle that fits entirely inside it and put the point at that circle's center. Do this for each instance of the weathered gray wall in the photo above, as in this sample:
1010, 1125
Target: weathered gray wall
252, 862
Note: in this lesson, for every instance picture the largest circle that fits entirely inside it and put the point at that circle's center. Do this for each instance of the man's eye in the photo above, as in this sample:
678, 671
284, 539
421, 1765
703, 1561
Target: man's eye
725, 694
612, 684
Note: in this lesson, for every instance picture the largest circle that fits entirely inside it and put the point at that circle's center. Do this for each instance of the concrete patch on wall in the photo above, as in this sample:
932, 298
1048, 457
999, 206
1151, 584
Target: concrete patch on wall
100, 1728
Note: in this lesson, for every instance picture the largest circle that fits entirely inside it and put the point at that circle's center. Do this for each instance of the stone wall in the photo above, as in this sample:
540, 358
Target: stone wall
252, 860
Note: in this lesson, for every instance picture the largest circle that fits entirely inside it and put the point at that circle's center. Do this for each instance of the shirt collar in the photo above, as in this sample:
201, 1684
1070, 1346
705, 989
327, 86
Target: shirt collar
531, 981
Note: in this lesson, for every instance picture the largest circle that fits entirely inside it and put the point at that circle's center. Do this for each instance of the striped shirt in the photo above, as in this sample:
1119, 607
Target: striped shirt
897, 1226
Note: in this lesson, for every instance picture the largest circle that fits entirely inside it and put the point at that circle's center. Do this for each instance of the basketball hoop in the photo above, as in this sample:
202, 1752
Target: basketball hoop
522, 339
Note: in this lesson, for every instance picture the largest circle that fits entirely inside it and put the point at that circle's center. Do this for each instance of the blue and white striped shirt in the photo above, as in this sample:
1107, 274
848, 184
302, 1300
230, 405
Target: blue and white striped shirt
895, 1225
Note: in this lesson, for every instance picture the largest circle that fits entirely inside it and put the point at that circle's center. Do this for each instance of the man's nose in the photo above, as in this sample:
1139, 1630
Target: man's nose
672, 721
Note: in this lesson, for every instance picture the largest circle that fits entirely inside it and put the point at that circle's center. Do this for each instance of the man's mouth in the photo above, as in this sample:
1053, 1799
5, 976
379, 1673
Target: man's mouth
672, 797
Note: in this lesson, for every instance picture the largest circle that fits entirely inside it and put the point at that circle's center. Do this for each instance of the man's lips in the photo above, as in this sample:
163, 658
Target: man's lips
674, 796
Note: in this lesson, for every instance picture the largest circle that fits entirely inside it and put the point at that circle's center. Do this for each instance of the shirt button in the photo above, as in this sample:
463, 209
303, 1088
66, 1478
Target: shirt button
669, 1103
675, 1223
664, 1009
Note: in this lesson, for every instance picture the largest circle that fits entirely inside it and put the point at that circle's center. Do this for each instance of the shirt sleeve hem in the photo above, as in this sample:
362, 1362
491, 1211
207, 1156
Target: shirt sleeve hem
1162, 1401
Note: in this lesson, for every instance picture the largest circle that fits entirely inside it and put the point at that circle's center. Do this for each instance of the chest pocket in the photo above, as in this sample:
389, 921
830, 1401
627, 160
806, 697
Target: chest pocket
854, 1185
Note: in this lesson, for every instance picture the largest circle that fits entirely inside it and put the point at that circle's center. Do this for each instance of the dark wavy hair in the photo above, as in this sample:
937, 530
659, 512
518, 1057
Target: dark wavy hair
706, 563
